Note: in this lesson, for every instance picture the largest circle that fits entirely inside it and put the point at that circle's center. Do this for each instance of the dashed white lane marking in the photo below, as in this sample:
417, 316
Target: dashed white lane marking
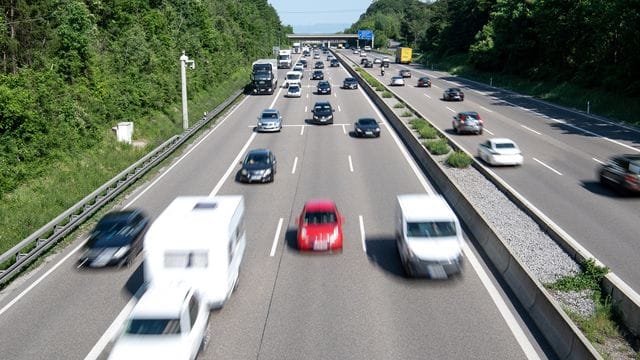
306, 109
339, 108
427, 96
548, 167
450, 109
484, 108
362, 235
302, 129
275, 238
350, 164
490, 133
598, 161
295, 163
344, 129
530, 129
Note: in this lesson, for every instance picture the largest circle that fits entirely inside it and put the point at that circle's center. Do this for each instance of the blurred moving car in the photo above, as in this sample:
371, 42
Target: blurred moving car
334, 63
428, 236
350, 83
168, 322
364, 60
368, 64
322, 113
303, 62
467, 121
363, 54
453, 94
319, 65
320, 226
385, 62
622, 172
405, 73
258, 166
397, 81
270, 119
366, 127
294, 91
316, 56
324, 87
116, 240
500, 151
424, 82
377, 60
317, 75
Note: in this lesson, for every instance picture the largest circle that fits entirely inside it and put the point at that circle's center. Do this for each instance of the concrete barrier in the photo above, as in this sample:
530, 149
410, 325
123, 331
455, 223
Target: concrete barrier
561, 333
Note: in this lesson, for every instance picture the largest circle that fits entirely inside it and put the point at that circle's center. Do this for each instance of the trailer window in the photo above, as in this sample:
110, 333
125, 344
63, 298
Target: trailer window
185, 260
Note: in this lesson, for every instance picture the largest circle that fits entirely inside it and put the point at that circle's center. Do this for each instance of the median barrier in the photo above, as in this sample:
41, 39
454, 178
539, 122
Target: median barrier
560, 332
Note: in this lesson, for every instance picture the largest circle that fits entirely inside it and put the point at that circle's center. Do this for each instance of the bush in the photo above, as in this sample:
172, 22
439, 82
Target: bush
459, 159
386, 94
428, 132
418, 123
399, 105
437, 147
406, 113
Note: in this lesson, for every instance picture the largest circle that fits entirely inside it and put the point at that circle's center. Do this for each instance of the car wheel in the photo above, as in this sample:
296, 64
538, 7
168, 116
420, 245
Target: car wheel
407, 268
480, 132
455, 129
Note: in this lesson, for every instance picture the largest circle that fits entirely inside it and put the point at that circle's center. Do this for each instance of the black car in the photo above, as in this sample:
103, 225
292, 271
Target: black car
334, 63
317, 75
258, 166
350, 83
368, 64
319, 65
116, 239
424, 82
322, 113
364, 60
324, 87
303, 62
453, 94
622, 173
366, 127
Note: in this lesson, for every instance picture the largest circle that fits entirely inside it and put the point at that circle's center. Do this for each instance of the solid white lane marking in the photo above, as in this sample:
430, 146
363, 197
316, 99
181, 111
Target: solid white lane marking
302, 129
295, 162
484, 108
339, 109
479, 92
275, 238
508, 317
233, 165
427, 96
83, 241
490, 133
362, 235
598, 161
450, 109
548, 167
350, 164
306, 109
530, 129
344, 129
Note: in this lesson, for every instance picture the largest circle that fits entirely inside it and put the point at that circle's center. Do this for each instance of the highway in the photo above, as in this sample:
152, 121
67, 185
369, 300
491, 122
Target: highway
353, 305
562, 151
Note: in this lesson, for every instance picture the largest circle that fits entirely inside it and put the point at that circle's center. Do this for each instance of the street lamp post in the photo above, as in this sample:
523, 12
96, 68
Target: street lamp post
184, 61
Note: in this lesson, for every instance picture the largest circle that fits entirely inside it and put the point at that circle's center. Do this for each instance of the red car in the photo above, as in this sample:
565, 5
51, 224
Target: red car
320, 227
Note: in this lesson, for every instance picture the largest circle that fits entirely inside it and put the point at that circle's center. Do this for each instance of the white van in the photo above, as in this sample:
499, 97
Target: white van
428, 235
200, 241
292, 78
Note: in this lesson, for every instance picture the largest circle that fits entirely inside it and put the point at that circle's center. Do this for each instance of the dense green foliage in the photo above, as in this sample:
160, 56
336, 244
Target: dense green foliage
437, 147
590, 43
72, 69
459, 159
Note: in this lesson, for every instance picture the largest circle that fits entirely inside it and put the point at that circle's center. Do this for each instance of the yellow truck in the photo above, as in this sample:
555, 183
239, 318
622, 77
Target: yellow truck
403, 55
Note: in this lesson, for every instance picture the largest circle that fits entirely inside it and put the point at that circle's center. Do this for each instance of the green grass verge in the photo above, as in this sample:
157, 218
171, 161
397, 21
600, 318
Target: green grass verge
399, 105
35, 203
428, 132
387, 95
601, 102
437, 147
406, 113
459, 159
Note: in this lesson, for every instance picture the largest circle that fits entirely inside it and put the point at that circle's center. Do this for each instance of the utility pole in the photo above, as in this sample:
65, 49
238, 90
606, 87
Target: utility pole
184, 61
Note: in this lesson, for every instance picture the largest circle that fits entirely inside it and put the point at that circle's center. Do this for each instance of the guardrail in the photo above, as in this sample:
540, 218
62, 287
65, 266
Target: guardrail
561, 333
35, 244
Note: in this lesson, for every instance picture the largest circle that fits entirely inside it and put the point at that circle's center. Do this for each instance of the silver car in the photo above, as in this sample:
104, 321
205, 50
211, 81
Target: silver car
397, 81
269, 120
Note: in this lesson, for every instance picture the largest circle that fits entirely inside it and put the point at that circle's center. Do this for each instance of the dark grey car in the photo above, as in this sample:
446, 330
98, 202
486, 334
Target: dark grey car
366, 127
322, 113
622, 173
258, 166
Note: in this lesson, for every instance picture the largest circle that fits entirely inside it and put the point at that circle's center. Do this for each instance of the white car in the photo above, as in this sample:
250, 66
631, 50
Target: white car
363, 54
293, 78
397, 81
377, 61
299, 67
500, 151
294, 91
168, 322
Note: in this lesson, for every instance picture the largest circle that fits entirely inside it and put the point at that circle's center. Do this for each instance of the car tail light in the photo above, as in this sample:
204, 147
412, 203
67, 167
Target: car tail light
632, 179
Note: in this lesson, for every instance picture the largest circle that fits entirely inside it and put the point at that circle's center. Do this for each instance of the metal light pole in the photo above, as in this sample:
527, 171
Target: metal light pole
184, 61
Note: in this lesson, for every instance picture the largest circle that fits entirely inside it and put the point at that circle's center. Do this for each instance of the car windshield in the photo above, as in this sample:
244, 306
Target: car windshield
320, 217
293, 88
293, 76
259, 158
505, 146
454, 90
112, 232
431, 229
153, 327
349, 80
269, 115
322, 108
367, 122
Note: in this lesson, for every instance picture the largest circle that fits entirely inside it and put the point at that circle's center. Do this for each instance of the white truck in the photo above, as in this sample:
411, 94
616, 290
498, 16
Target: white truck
264, 76
296, 48
200, 241
428, 236
284, 59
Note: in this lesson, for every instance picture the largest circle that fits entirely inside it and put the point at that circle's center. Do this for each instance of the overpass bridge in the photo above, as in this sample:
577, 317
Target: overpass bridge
324, 38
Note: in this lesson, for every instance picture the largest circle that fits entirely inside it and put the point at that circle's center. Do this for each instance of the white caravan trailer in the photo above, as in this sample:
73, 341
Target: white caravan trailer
200, 241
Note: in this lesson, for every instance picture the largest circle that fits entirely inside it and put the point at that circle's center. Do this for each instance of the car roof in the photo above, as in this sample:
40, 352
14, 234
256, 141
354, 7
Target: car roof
319, 204
454, 89
320, 103
366, 119
470, 113
397, 77
161, 300
259, 151
420, 207
121, 215
323, 82
502, 141
270, 110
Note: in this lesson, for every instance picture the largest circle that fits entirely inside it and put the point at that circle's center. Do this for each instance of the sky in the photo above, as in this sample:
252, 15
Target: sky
315, 16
